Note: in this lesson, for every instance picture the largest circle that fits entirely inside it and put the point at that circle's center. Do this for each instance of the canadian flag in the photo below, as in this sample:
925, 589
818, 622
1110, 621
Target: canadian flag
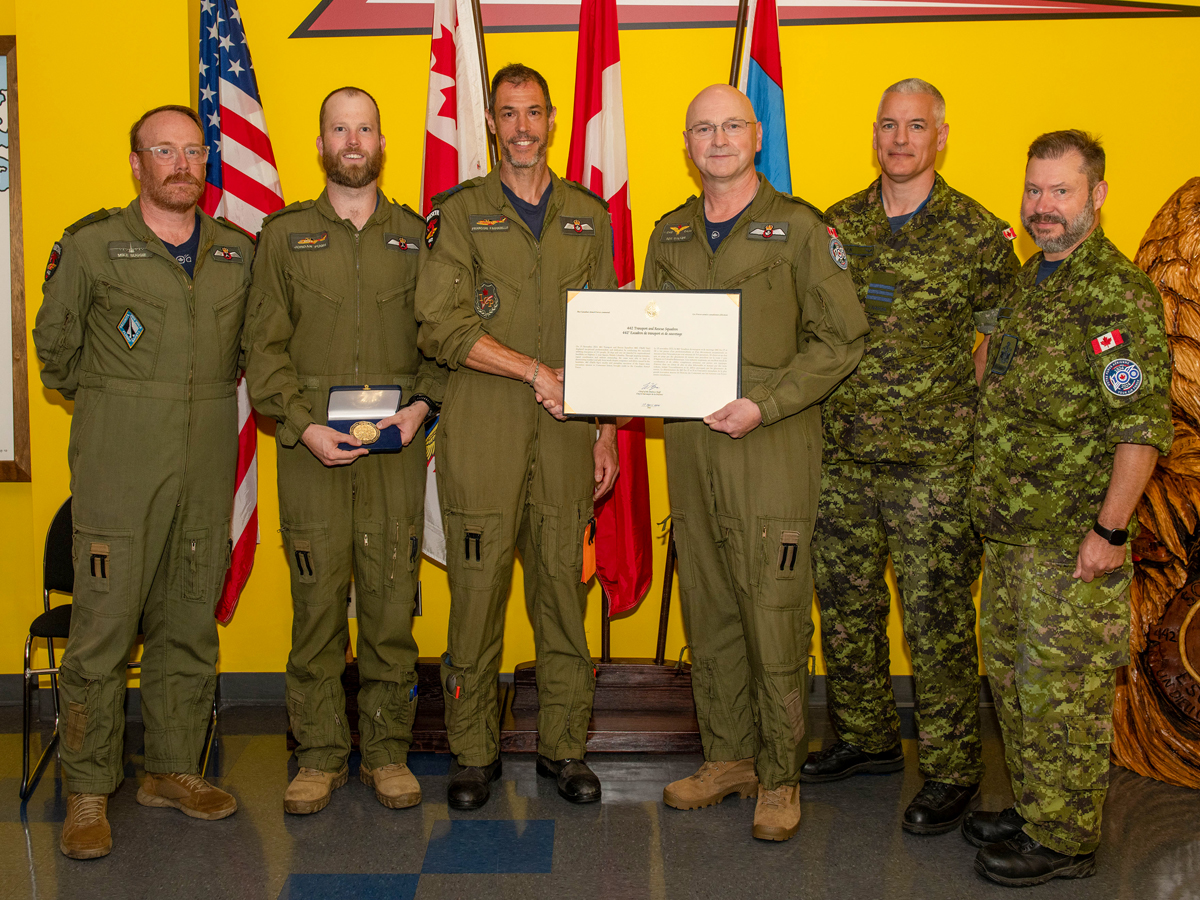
456, 138
597, 159
1107, 341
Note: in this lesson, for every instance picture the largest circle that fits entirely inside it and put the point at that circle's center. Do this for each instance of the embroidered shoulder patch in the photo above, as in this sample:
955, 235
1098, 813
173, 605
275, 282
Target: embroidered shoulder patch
1122, 377
838, 252
433, 223
55, 256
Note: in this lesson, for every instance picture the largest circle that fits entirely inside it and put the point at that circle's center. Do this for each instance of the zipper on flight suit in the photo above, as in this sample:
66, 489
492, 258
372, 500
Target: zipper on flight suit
357, 309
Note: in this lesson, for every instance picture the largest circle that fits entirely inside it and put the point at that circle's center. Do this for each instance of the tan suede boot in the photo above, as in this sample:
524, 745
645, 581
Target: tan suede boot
311, 789
85, 833
395, 786
712, 783
190, 794
777, 815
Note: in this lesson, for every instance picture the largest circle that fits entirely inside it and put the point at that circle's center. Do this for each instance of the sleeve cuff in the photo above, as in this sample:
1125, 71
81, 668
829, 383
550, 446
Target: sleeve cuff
761, 395
291, 428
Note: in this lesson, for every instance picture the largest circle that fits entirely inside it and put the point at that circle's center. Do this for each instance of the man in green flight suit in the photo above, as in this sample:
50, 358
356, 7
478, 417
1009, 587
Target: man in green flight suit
1074, 412
931, 267
140, 325
513, 472
744, 481
332, 305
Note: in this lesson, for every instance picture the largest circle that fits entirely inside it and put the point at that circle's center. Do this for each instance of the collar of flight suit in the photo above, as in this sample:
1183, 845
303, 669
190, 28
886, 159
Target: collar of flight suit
763, 198
378, 215
493, 189
142, 232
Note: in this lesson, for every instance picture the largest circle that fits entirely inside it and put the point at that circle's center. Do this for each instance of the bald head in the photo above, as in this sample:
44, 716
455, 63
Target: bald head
719, 102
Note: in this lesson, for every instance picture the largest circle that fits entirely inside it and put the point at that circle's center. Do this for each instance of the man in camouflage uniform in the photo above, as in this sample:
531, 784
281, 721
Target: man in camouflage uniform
332, 305
744, 481
931, 266
1074, 411
513, 473
140, 326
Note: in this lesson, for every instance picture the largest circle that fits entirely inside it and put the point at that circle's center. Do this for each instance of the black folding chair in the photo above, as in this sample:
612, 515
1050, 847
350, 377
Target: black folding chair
58, 576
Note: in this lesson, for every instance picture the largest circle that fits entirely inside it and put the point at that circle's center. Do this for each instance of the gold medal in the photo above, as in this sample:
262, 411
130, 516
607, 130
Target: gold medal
365, 432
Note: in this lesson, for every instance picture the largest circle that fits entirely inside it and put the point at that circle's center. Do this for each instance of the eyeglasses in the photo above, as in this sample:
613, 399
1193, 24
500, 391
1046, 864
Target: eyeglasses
732, 128
164, 156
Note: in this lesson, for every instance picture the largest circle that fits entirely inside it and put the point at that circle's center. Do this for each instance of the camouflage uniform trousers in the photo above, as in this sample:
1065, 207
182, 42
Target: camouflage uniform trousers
1051, 645
919, 515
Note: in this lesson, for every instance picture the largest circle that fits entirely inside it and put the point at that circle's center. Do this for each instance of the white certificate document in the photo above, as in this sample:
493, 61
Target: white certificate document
669, 354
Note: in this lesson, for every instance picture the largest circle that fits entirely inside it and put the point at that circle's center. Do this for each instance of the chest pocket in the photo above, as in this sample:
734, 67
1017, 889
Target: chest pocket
671, 278
230, 313
125, 331
314, 313
881, 294
399, 326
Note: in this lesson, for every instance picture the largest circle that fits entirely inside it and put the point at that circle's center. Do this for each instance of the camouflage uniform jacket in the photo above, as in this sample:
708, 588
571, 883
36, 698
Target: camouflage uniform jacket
1078, 364
926, 290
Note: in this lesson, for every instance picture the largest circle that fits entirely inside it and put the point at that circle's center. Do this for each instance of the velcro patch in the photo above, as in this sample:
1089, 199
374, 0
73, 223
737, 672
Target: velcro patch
313, 241
400, 244
880, 298
129, 250
227, 254
131, 329
1010, 233
55, 256
433, 223
1008, 349
677, 234
1122, 377
860, 249
1107, 341
582, 226
838, 252
489, 223
487, 300
768, 231
832, 231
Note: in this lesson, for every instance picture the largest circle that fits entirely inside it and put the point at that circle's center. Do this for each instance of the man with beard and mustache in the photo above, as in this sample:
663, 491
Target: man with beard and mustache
331, 305
513, 472
140, 325
1074, 410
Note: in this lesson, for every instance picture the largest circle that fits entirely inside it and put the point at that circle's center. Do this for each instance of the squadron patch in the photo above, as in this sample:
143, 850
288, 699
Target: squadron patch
400, 244
227, 254
487, 301
838, 252
129, 250
433, 223
677, 234
578, 225
309, 241
768, 231
1122, 377
490, 223
131, 329
55, 256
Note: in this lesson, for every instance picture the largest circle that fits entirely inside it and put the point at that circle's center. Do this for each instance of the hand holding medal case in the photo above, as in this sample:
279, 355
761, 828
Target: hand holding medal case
358, 410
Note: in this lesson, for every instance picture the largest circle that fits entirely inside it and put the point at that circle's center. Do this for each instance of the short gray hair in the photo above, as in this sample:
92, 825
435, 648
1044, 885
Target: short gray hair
917, 86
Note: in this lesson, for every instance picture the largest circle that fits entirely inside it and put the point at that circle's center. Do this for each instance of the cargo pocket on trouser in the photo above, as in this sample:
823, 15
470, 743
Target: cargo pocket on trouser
683, 550
782, 707
1085, 753
205, 555
402, 558
368, 558
306, 547
473, 547
782, 563
104, 581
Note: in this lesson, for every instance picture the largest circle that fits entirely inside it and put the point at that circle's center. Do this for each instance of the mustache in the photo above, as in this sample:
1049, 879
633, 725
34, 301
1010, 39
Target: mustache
183, 178
1046, 219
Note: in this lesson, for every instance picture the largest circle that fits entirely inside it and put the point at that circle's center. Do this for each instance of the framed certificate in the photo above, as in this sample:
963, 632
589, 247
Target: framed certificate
669, 354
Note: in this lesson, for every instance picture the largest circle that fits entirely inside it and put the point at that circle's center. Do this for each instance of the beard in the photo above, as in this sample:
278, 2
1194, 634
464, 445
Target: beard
156, 191
1072, 233
533, 163
352, 176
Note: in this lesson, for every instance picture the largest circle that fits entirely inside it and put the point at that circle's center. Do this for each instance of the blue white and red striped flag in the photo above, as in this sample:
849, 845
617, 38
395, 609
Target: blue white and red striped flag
760, 77
243, 187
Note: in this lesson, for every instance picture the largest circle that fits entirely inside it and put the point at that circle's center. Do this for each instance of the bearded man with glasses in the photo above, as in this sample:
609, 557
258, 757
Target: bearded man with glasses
744, 481
140, 325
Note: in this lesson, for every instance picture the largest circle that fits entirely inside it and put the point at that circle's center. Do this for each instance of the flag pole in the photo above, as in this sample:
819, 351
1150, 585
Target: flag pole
739, 39
487, 78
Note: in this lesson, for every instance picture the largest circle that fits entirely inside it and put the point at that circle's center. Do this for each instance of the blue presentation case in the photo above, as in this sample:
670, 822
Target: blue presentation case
367, 403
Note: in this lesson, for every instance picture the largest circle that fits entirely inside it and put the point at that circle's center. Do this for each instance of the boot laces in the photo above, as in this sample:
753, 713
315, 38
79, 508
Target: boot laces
775, 797
89, 808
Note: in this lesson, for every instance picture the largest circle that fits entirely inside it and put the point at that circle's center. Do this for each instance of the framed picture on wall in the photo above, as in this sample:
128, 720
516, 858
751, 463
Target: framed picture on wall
14, 387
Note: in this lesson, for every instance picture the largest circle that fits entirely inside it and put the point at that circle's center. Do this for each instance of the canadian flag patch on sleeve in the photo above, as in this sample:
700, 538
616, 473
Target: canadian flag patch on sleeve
832, 231
1010, 233
1107, 341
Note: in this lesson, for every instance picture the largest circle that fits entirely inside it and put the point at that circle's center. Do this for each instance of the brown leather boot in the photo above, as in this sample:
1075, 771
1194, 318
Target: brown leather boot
85, 833
777, 815
395, 786
190, 794
712, 783
311, 789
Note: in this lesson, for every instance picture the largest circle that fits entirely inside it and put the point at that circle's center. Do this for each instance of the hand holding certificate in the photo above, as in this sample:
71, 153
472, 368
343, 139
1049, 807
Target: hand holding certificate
674, 354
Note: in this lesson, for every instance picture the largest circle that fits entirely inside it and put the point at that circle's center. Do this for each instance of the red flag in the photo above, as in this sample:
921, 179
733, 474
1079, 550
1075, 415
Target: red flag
243, 186
624, 548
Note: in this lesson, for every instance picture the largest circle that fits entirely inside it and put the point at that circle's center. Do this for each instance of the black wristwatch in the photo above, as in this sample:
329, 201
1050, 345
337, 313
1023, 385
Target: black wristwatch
1115, 536
434, 408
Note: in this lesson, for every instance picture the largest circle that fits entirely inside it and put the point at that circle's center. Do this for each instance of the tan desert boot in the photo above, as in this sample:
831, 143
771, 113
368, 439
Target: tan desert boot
777, 815
190, 794
85, 833
311, 789
395, 786
712, 783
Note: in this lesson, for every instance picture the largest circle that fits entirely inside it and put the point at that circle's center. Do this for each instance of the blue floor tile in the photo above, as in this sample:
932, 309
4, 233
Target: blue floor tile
468, 846
349, 887
429, 763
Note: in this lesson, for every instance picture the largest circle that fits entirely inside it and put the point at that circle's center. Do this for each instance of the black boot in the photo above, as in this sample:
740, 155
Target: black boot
843, 760
938, 807
1021, 861
982, 828
576, 782
470, 786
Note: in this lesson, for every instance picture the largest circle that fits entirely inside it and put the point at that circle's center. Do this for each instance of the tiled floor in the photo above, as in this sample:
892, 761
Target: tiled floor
528, 843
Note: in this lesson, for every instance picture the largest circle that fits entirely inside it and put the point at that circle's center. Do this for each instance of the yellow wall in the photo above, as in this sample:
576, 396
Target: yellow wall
85, 74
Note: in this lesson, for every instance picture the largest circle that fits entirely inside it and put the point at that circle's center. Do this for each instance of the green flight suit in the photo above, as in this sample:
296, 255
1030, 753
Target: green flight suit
743, 510
150, 357
510, 475
897, 475
331, 305
1078, 364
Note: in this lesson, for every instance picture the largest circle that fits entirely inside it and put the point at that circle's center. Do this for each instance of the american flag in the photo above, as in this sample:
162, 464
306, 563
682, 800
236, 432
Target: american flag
243, 187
